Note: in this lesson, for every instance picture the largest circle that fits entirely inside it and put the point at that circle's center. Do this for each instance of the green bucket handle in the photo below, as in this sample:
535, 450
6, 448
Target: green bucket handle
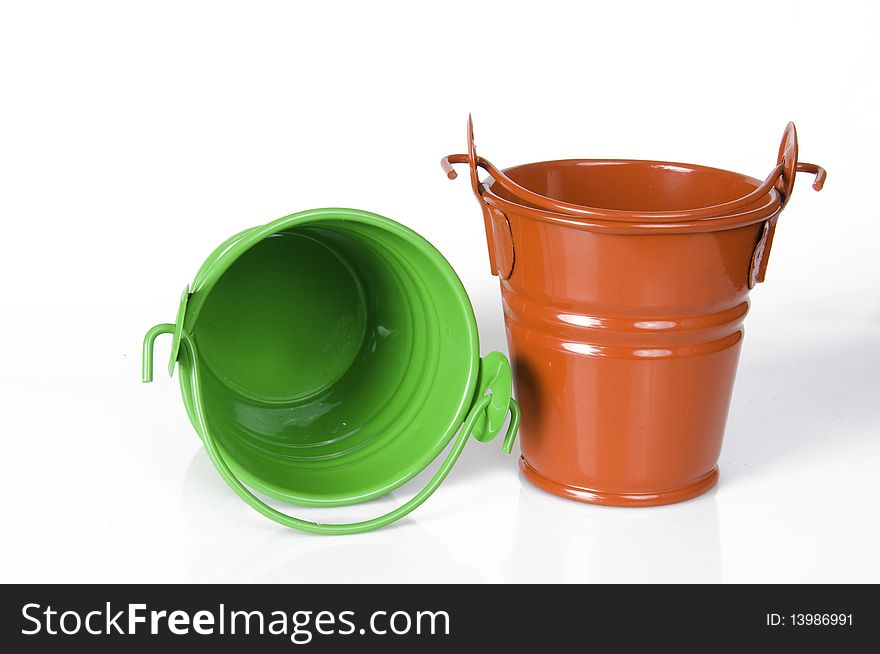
492, 403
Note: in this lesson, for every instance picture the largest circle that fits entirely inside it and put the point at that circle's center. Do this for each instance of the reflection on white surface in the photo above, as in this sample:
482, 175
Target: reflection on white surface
559, 540
261, 551
554, 540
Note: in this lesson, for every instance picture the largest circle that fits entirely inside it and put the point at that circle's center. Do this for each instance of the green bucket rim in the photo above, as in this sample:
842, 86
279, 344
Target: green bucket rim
229, 251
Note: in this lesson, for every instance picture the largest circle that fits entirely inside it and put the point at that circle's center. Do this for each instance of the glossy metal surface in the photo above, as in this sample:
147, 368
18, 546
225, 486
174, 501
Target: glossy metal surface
625, 285
327, 358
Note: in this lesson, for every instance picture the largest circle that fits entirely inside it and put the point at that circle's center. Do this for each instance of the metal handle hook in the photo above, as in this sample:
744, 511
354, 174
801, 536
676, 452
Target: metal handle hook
149, 341
512, 427
818, 171
447, 161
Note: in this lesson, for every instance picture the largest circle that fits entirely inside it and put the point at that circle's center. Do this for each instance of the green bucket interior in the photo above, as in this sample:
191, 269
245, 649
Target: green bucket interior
338, 356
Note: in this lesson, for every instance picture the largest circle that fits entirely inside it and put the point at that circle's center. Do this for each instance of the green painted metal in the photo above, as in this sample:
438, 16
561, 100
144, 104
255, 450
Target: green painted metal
328, 357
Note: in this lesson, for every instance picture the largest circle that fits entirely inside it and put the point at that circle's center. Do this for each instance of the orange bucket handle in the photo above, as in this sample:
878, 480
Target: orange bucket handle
787, 166
781, 177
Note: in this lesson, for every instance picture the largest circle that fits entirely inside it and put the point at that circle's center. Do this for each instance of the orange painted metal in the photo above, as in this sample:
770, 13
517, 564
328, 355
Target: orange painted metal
625, 285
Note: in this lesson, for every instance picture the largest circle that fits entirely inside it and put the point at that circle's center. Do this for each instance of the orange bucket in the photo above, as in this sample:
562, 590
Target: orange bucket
625, 285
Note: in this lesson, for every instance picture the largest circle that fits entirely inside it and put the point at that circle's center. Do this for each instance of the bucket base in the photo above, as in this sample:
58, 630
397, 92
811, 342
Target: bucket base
591, 496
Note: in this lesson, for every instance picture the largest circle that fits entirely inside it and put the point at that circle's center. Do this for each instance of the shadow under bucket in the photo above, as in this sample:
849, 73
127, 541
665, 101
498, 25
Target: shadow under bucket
625, 285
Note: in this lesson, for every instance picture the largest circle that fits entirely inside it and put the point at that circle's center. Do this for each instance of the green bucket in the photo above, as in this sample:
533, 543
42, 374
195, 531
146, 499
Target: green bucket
328, 357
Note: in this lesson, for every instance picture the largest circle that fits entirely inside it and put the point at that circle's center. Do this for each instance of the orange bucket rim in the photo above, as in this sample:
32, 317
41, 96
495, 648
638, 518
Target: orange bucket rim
761, 208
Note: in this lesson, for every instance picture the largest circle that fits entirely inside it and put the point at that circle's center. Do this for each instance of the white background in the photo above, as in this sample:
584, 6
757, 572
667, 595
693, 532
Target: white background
135, 137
